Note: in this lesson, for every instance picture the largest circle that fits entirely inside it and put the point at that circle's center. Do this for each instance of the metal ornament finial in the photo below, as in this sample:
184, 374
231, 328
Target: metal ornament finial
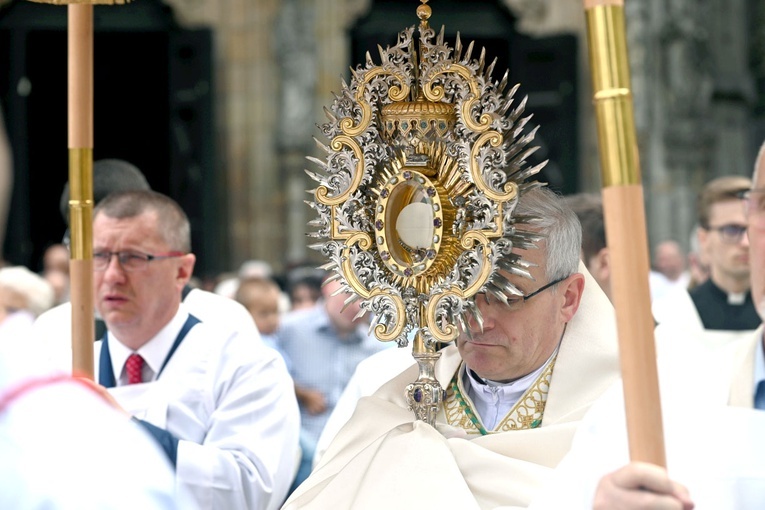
424, 166
424, 11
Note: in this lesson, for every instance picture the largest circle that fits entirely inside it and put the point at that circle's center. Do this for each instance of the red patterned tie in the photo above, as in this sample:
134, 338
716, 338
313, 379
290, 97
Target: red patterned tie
134, 367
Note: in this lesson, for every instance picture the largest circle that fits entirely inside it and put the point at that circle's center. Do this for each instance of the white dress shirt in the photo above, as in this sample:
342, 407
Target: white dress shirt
230, 401
52, 331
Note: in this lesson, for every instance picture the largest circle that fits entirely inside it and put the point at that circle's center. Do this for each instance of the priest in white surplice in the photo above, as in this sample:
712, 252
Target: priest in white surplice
515, 392
713, 402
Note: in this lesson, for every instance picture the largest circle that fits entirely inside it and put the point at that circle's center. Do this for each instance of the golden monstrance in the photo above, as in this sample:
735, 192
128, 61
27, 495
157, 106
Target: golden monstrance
425, 163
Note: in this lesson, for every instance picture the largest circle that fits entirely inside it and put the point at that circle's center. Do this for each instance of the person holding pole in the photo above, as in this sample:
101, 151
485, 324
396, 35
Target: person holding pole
644, 482
515, 387
219, 404
732, 472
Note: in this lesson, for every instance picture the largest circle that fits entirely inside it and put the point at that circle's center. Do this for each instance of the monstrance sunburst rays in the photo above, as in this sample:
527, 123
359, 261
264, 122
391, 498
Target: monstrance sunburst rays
426, 161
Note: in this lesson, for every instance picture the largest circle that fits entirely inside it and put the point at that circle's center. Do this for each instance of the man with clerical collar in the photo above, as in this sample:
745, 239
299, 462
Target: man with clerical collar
219, 403
513, 352
515, 390
712, 405
724, 301
723, 304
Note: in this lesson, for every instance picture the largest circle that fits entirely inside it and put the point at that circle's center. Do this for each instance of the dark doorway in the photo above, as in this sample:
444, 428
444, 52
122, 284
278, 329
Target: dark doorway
152, 107
545, 68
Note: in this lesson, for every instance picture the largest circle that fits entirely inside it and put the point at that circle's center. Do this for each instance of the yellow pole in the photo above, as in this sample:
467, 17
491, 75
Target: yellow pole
80, 96
624, 213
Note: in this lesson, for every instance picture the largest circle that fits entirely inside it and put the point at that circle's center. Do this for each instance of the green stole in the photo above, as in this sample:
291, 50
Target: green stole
525, 414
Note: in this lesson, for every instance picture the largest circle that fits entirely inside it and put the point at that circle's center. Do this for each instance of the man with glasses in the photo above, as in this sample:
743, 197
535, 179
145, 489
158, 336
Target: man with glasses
723, 304
515, 390
712, 399
51, 331
219, 404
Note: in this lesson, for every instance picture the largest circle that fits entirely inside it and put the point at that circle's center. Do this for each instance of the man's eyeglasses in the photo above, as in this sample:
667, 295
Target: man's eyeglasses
129, 260
731, 233
754, 203
517, 302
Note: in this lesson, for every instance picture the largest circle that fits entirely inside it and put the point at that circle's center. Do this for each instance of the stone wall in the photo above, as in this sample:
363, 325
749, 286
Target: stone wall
277, 63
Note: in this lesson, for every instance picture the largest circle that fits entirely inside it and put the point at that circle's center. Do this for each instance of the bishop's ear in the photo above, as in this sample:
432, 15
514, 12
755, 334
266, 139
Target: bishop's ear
571, 289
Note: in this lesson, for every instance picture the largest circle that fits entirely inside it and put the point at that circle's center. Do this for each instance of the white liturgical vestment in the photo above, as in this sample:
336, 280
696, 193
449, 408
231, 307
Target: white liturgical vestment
713, 438
385, 459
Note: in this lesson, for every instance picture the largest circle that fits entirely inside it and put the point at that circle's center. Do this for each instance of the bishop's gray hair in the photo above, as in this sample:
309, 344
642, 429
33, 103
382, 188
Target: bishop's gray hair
560, 226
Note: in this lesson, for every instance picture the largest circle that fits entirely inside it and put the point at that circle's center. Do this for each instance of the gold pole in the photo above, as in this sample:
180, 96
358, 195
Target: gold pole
80, 96
624, 213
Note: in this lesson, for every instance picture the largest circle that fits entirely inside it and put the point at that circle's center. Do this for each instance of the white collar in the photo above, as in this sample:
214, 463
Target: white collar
512, 390
153, 352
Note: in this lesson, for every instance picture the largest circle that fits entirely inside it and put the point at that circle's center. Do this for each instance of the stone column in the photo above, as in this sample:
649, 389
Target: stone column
733, 93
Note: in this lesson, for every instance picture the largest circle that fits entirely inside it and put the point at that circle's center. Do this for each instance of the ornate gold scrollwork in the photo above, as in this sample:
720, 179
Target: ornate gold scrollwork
322, 192
451, 332
469, 240
381, 331
437, 92
495, 140
429, 193
395, 93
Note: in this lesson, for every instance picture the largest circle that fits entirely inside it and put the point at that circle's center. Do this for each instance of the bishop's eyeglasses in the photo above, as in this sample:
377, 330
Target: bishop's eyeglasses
129, 260
516, 302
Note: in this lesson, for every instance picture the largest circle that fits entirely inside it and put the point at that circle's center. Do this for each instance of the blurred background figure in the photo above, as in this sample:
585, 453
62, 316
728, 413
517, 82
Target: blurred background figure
588, 207
261, 297
56, 271
23, 296
109, 176
304, 287
255, 269
6, 179
260, 269
669, 271
323, 344
698, 264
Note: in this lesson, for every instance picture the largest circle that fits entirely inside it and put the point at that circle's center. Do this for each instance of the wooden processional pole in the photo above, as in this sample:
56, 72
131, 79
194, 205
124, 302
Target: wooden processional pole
624, 213
80, 128
80, 112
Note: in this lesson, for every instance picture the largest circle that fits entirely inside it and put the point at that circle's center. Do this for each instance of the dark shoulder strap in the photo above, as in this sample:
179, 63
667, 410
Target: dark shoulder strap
185, 292
100, 328
190, 323
105, 369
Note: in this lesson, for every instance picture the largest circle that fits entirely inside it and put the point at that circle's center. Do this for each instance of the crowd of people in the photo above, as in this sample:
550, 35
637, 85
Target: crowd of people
258, 391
